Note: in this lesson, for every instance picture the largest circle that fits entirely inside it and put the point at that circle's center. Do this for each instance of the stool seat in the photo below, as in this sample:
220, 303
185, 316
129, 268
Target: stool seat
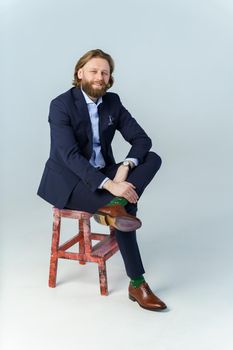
86, 252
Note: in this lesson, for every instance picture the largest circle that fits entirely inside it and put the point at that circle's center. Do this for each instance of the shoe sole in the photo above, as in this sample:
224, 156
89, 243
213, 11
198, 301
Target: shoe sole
146, 308
122, 223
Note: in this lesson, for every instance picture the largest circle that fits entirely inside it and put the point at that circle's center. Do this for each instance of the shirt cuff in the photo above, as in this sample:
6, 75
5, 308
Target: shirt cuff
133, 160
103, 182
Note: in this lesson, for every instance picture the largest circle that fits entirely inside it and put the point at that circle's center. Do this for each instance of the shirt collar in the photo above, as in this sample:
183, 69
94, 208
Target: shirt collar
89, 101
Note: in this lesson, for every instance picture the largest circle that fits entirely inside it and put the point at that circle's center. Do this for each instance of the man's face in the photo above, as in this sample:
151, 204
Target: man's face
95, 75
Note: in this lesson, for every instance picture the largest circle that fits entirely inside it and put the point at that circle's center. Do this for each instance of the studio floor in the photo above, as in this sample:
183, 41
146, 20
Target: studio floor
188, 264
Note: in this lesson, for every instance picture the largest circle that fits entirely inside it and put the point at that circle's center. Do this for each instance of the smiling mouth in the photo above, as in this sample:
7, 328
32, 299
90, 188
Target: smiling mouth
98, 84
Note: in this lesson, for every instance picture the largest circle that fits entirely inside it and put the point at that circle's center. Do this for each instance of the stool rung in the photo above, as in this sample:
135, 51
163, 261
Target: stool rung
70, 255
70, 242
98, 236
108, 245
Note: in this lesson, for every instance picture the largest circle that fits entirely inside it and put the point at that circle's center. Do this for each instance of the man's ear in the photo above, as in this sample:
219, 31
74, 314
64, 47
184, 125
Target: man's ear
80, 73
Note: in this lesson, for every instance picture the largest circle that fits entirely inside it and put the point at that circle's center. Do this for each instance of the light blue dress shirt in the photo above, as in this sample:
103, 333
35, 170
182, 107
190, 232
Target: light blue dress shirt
97, 159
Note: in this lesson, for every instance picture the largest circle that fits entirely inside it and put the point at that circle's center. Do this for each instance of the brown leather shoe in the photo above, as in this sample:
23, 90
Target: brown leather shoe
146, 298
116, 216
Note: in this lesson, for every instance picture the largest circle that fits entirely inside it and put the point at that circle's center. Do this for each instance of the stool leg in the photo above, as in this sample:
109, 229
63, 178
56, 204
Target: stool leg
103, 278
82, 251
54, 250
81, 242
87, 235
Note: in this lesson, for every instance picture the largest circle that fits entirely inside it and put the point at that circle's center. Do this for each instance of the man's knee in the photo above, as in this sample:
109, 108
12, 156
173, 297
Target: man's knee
131, 208
154, 159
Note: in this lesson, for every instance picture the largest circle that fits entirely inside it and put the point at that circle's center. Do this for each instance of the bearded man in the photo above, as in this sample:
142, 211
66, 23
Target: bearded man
81, 172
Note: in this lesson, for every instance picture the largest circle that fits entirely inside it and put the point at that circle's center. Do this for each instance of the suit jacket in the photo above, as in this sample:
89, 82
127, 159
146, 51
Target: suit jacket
71, 143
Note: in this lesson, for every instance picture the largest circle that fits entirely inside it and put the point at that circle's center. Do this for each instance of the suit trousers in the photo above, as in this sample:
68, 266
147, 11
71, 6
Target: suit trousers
82, 198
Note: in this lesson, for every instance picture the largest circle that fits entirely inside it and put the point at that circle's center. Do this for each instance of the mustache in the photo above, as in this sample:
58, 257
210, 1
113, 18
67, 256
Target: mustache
99, 82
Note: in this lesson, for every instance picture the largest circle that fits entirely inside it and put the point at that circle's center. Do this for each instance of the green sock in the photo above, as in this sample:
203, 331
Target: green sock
136, 282
118, 200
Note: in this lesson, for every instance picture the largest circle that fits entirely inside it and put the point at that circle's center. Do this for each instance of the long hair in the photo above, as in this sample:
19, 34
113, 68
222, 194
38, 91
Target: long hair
86, 57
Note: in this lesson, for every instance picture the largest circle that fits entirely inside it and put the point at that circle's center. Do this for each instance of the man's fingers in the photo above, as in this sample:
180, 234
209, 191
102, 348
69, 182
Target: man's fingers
131, 195
130, 184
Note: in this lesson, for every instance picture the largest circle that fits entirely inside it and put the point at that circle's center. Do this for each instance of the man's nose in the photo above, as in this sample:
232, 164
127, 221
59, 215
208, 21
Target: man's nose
99, 76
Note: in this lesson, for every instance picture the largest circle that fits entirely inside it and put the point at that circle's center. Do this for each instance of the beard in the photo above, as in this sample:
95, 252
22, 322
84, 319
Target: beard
88, 88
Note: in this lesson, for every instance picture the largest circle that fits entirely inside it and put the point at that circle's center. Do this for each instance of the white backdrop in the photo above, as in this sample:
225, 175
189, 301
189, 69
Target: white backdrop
174, 73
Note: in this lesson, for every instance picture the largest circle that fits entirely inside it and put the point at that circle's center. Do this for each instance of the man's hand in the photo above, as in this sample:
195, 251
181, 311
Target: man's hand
122, 189
121, 174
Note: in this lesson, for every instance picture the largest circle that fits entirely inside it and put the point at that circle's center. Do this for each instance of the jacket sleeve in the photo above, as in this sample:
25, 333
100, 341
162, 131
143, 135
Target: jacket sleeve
65, 143
134, 134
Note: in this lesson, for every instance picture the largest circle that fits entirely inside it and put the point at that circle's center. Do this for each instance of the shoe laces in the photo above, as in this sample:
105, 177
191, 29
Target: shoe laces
147, 289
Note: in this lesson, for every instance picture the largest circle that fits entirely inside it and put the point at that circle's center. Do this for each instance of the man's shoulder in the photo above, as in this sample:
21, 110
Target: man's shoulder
63, 97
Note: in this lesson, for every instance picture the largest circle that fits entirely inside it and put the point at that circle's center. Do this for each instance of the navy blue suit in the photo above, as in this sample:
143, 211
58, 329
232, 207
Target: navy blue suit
71, 143
70, 181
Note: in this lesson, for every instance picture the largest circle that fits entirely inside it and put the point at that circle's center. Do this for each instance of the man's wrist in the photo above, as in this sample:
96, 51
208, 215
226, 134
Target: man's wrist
103, 182
128, 164
107, 184
132, 161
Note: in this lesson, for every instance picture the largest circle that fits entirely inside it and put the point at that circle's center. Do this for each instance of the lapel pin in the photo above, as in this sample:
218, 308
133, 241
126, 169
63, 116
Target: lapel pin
110, 122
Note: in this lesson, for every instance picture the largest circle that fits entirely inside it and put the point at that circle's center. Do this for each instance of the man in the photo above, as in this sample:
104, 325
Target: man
81, 172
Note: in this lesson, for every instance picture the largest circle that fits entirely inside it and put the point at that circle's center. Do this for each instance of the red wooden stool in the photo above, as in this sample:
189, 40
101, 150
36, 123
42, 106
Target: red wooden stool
99, 253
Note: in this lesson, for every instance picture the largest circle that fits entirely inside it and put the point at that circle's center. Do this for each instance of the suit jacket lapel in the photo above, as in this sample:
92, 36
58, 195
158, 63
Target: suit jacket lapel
83, 111
103, 112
